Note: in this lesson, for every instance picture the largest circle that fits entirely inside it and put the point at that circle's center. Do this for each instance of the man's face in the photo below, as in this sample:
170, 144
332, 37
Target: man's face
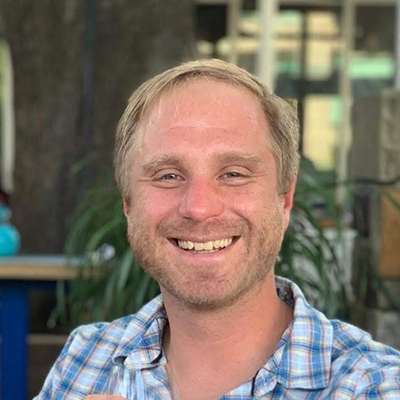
205, 218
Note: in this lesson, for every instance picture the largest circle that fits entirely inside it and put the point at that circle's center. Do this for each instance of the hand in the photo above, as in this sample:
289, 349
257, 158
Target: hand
103, 397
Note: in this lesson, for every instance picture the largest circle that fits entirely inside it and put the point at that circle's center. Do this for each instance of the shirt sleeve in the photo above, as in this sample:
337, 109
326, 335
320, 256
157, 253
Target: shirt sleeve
53, 379
74, 358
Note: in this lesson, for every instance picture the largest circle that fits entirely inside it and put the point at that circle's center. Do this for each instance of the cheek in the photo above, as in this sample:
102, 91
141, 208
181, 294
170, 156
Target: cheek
152, 206
253, 203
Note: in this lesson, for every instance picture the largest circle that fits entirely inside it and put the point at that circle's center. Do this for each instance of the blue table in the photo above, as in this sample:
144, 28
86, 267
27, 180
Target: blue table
18, 275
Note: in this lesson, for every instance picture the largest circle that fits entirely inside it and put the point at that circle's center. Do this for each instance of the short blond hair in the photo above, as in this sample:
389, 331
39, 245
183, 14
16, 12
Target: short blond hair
280, 115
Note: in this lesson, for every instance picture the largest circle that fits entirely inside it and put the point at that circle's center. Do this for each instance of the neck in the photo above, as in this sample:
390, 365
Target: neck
242, 336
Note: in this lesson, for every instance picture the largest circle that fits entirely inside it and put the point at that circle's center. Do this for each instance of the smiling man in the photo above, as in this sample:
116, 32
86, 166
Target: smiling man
206, 160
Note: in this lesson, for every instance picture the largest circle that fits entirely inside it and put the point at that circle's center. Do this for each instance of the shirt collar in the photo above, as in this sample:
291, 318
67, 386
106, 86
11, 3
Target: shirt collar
303, 355
305, 358
141, 342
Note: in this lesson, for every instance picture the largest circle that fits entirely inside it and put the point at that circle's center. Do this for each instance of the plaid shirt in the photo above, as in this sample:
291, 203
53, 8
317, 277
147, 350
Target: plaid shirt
315, 359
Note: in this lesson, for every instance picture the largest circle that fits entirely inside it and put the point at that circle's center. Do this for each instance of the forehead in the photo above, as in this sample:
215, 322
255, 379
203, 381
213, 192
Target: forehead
208, 102
202, 119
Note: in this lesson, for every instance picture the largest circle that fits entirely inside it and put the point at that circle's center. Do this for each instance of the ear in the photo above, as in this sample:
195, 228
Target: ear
287, 199
127, 206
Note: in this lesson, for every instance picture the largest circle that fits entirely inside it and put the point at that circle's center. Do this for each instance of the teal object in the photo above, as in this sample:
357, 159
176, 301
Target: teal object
9, 237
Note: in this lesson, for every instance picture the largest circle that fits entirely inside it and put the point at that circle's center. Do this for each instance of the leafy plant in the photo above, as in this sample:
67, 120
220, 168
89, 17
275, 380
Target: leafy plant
312, 258
110, 282
109, 286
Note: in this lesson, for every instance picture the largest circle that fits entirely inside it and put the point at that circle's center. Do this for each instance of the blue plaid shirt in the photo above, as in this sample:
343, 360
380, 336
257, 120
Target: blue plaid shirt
315, 359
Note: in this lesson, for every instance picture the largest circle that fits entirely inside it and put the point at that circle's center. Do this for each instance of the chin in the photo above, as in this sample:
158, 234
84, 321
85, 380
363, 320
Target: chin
209, 299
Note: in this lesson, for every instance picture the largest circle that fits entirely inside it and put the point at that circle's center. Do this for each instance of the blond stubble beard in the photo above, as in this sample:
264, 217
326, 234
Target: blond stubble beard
261, 262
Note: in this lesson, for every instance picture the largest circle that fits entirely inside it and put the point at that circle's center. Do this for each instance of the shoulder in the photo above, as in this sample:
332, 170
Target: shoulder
90, 346
107, 337
87, 337
83, 361
366, 367
343, 359
83, 365
352, 342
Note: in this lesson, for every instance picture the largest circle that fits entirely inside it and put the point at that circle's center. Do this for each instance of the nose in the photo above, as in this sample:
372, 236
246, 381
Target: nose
201, 200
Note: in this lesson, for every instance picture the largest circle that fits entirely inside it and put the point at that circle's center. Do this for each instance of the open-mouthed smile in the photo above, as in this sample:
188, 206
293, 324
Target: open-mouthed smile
205, 247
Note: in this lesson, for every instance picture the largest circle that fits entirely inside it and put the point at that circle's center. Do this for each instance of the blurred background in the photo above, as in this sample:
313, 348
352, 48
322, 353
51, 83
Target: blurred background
68, 67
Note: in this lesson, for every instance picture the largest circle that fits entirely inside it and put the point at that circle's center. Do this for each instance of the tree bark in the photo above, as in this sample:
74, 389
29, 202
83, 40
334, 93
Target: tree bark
72, 81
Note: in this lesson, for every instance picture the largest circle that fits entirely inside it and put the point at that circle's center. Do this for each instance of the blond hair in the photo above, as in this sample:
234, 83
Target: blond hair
280, 115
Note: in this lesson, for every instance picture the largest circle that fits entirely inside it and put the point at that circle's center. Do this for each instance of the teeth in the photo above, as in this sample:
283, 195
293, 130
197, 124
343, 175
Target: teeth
198, 246
207, 246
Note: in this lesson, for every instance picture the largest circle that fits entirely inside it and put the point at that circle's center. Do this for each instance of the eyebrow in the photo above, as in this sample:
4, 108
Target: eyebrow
155, 163
231, 157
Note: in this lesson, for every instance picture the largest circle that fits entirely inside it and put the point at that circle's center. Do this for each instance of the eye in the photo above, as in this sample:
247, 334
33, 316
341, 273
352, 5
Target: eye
233, 174
165, 179
170, 177
234, 177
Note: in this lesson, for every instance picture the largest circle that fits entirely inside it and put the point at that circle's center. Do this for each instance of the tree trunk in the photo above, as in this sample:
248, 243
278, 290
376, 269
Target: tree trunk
75, 64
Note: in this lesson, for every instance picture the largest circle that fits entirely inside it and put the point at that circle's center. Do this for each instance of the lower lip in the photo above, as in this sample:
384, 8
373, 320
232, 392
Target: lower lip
204, 252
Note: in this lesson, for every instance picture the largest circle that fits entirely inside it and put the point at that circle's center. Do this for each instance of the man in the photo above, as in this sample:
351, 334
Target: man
206, 160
